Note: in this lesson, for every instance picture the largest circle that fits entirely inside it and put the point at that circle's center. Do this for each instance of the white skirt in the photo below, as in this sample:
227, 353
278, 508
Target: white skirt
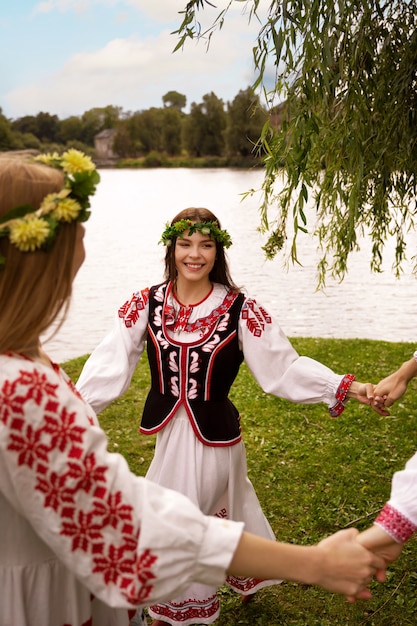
215, 479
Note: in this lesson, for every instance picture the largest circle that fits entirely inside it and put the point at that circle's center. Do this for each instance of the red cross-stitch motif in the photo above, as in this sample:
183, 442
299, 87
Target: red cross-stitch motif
11, 404
114, 511
256, 317
37, 385
63, 431
28, 445
66, 474
82, 530
56, 491
395, 524
203, 323
130, 310
88, 476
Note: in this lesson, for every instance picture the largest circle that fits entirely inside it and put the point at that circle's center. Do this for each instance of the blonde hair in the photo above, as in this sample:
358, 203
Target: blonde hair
34, 286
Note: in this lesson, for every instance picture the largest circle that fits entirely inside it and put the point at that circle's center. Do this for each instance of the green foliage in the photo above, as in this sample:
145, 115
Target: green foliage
174, 100
203, 128
313, 475
347, 72
161, 160
43, 125
155, 137
7, 141
171, 131
246, 118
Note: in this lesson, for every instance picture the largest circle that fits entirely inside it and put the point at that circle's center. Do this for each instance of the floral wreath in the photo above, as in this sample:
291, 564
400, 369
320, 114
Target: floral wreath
177, 229
31, 229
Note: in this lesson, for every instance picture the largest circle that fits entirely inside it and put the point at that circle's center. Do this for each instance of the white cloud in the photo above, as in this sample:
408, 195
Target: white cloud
78, 6
160, 10
135, 73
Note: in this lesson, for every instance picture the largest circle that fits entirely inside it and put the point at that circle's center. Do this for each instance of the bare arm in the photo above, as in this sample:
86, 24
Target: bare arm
394, 386
338, 563
381, 543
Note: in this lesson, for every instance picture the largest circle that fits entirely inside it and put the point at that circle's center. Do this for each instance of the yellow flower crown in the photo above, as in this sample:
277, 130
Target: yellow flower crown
30, 229
177, 229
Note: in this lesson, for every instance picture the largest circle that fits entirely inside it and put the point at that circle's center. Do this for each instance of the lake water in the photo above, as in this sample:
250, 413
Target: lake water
129, 212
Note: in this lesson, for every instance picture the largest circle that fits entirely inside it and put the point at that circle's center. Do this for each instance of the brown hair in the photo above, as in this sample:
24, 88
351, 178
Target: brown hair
220, 272
34, 286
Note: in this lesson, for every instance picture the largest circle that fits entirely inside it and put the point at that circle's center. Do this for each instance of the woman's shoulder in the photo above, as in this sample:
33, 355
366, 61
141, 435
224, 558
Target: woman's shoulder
25, 382
22, 377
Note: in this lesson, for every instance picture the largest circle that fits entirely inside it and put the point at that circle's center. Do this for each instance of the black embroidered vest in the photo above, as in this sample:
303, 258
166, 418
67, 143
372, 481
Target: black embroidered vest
197, 375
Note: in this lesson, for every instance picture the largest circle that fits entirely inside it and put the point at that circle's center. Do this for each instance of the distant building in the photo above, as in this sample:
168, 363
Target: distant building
103, 143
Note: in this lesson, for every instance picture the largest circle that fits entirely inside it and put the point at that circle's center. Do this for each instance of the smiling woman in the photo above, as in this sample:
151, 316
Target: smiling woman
75, 522
198, 327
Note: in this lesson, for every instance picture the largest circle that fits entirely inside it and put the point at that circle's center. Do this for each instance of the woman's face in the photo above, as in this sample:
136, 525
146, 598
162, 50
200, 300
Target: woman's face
79, 250
195, 256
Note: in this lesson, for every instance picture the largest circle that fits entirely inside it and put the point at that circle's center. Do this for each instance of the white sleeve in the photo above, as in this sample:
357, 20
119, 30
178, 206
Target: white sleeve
404, 490
276, 365
107, 373
129, 541
398, 517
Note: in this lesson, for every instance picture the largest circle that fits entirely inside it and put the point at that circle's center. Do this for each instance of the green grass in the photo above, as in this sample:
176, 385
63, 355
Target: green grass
313, 475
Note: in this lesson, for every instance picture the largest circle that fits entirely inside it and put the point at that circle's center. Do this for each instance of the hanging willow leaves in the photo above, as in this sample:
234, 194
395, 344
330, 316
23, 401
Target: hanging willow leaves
346, 91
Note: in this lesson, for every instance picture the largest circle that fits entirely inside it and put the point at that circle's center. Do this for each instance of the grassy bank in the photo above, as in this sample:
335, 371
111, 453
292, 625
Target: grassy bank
313, 475
157, 159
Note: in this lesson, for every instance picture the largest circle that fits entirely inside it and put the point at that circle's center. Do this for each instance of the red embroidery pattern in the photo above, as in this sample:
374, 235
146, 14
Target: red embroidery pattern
256, 317
395, 524
203, 322
190, 609
238, 583
341, 394
84, 521
130, 310
243, 585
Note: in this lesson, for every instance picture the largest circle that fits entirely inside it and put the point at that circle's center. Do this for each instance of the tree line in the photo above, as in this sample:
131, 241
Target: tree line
210, 129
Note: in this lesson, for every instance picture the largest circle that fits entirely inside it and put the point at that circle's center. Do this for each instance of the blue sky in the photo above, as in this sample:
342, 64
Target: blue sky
65, 57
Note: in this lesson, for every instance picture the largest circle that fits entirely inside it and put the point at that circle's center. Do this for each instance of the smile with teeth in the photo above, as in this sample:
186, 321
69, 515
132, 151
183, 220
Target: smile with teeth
194, 266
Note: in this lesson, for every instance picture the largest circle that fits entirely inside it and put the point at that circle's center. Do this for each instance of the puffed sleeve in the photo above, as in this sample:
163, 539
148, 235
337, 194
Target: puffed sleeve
129, 541
399, 516
276, 365
107, 373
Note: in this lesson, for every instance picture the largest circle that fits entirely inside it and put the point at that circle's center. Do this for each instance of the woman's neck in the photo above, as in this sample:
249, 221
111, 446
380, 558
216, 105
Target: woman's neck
191, 293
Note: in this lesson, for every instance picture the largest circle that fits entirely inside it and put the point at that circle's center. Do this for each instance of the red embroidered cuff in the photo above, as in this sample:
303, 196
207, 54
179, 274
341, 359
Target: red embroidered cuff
399, 527
341, 394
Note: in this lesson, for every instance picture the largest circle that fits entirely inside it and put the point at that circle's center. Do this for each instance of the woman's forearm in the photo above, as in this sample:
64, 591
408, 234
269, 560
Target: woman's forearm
338, 563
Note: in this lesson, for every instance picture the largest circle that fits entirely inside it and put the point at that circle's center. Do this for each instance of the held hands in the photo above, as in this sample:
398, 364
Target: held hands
393, 387
365, 394
383, 546
346, 566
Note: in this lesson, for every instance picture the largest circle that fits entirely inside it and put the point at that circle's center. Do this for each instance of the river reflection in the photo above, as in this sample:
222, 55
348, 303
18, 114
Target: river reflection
128, 216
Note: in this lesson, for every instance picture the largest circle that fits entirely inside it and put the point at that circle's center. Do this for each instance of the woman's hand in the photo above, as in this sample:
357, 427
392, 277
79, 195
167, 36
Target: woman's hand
383, 546
344, 567
365, 394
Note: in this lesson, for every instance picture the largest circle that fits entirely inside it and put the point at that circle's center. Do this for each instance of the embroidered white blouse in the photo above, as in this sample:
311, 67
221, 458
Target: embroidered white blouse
76, 523
273, 361
399, 516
